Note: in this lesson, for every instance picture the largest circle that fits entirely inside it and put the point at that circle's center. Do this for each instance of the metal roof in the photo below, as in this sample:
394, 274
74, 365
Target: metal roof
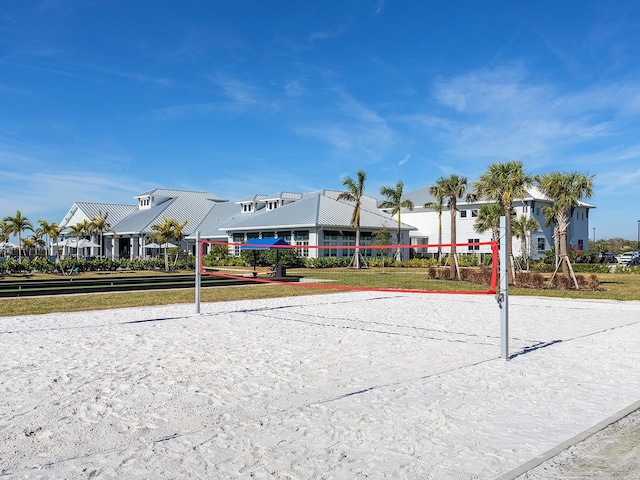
317, 210
171, 193
117, 212
222, 214
190, 206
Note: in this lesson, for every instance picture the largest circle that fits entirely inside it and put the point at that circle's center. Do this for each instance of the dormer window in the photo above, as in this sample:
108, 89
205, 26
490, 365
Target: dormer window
144, 202
247, 207
272, 205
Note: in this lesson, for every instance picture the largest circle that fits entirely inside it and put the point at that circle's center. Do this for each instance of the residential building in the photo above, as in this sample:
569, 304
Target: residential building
425, 221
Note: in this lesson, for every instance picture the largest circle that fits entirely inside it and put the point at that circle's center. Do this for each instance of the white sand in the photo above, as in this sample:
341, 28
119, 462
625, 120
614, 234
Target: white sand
341, 386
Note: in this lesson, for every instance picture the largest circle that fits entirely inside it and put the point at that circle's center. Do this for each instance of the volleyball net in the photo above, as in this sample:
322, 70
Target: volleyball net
424, 268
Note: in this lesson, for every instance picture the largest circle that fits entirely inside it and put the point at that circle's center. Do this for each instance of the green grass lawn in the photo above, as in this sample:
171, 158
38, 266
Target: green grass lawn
615, 287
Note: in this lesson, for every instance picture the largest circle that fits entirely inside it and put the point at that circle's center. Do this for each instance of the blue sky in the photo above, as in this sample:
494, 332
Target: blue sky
101, 100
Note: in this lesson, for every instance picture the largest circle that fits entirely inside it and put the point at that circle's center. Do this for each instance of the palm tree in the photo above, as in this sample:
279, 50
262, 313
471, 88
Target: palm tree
565, 190
78, 230
178, 235
550, 214
504, 183
453, 188
489, 219
165, 231
395, 202
101, 225
28, 244
4, 234
50, 230
15, 226
438, 207
355, 190
522, 228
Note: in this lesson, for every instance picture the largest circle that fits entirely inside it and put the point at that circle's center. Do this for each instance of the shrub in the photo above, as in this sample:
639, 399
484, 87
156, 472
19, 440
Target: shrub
327, 262
562, 282
529, 280
467, 260
593, 283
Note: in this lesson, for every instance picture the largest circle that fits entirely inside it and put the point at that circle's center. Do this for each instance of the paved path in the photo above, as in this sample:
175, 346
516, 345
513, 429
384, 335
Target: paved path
612, 452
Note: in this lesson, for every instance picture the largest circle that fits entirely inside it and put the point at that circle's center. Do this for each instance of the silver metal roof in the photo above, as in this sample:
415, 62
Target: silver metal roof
117, 212
314, 210
190, 206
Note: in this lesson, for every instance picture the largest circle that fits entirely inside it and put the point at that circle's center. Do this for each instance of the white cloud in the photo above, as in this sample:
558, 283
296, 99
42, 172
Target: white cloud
508, 113
404, 160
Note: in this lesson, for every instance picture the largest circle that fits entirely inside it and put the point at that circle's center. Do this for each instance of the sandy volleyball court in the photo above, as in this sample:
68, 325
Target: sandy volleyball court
340, 386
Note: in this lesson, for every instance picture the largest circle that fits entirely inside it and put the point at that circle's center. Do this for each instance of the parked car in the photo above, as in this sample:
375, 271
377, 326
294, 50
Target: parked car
608, 257
627, 258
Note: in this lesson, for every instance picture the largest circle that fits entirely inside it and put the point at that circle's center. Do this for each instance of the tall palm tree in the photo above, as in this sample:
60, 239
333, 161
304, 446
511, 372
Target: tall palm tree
355, 190
522, 228
395, 202
453, 187
438, 207
15, 226
504, 183
49, 230
165, 231
565, 190
101, 225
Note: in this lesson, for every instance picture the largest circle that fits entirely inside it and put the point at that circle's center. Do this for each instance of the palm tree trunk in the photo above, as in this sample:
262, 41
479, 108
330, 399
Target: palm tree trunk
398, 254
510, 270
356, 262
440, 236
453, 273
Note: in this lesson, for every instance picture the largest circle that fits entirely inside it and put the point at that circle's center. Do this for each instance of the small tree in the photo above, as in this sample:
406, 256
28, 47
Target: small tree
522, 228
383, 238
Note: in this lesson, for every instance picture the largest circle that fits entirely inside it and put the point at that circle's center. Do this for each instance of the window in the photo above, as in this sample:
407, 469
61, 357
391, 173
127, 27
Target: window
474, 213
474, 247
238, 238
330, 239
302, 238
463, 214
541, 244
365, 240
349, 239
581, 245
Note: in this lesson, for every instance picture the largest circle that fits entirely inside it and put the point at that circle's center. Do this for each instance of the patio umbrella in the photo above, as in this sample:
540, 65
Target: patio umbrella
157, 245
75, 243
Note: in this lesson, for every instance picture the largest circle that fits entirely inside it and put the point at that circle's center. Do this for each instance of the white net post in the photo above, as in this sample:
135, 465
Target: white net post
503, 297
198, 274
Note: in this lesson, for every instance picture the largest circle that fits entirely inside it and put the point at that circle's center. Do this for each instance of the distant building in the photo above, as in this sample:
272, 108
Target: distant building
315, 219
425, 221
